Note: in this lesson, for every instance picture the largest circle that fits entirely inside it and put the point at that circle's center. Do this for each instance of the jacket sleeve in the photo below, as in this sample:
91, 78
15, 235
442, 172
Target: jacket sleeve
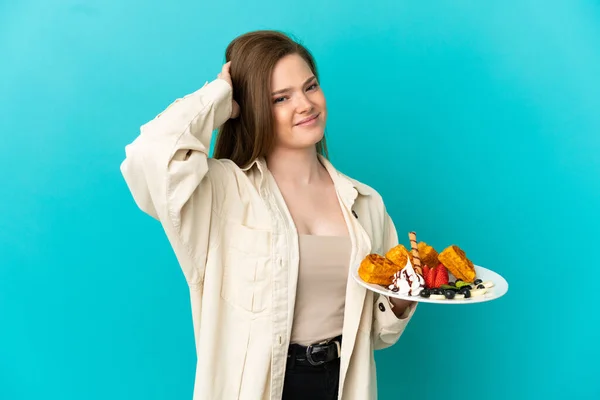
388, 328
168, 163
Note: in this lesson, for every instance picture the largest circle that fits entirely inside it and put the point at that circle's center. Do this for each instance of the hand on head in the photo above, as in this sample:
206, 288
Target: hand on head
226, 76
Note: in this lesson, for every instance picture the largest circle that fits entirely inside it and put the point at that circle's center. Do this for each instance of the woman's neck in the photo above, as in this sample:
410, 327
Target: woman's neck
297, 167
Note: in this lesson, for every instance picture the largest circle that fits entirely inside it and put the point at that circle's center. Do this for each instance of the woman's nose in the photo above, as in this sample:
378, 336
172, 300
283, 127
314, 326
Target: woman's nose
303, 104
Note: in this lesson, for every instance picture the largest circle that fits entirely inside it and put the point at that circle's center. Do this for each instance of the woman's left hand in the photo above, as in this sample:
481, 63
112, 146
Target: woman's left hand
399, 305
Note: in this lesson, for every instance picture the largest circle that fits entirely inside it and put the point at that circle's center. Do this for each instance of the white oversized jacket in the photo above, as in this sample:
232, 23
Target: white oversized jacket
237, 246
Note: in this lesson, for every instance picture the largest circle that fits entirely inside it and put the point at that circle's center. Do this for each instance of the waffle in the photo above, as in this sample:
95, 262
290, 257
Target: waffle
457, 263
428, 255
377, 270
398, 255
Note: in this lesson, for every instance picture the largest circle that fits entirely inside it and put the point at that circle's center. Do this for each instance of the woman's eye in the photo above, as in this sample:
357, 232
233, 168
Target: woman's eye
278, 100
313, 86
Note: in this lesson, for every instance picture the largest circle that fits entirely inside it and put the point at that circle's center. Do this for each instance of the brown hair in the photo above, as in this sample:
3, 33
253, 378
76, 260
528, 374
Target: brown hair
253, 57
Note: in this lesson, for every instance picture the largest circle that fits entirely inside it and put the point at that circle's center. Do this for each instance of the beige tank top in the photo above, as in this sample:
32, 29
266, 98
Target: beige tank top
321, 290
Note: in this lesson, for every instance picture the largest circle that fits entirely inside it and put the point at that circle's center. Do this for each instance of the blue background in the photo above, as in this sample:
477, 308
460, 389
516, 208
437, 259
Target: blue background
479, 123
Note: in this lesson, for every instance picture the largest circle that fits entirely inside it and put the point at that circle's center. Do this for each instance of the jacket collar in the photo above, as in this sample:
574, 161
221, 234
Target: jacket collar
347, 188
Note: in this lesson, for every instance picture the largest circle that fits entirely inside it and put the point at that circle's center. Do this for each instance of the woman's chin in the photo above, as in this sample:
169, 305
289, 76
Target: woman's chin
312, 136
304, 138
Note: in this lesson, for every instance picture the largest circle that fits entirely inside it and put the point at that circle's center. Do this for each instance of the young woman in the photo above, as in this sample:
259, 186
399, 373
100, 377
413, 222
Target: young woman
267, 230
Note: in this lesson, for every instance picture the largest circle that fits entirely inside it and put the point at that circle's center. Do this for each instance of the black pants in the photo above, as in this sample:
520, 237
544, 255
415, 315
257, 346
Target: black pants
303, 382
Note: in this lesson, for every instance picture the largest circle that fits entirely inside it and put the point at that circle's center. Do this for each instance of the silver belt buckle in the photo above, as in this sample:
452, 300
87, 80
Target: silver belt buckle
338, 347
309, 357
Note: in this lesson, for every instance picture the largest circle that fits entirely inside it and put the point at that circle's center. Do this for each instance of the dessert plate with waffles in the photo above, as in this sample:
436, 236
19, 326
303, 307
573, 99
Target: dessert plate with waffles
422, 274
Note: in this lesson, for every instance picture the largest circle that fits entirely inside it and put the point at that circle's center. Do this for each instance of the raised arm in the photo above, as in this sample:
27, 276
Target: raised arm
168, 163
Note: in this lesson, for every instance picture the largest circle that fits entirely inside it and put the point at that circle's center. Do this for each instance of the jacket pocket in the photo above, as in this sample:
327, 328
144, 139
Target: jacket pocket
246, 268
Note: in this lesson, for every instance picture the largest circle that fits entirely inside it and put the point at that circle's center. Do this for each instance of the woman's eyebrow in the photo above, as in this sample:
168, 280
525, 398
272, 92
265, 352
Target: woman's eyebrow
289, 89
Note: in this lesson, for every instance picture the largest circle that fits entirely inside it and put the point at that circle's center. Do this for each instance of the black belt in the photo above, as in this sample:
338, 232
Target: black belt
317, 353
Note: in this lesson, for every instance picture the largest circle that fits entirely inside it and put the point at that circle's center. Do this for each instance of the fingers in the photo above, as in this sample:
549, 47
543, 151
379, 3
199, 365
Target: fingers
225, 70
235, 110
224, 74
226, 67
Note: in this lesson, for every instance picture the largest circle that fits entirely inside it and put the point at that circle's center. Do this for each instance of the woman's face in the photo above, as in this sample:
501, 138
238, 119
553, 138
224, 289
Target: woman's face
299, 106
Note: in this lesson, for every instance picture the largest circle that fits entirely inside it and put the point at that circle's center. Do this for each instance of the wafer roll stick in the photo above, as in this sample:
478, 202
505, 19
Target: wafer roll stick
412, 236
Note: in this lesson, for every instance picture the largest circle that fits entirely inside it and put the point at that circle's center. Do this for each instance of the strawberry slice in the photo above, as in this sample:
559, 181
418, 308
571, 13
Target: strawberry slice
429, 277
441, 276
425, 270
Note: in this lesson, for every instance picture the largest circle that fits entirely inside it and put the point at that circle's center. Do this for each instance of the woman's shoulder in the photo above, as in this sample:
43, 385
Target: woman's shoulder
232, 179
366, 191
363, 189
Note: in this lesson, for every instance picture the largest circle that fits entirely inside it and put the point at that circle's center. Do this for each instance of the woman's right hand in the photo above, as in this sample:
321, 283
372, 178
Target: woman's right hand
226, 76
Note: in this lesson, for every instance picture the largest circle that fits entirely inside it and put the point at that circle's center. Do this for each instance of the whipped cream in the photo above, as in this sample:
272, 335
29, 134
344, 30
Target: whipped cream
407, 281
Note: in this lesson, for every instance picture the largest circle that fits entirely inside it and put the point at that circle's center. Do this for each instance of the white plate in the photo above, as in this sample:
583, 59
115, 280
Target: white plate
500, 288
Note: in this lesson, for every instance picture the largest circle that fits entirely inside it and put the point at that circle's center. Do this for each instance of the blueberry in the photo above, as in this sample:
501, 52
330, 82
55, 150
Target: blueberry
425, 293
477, 281
452, 284
437, 291
449, 294
467, 293
480, 286
467, 287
